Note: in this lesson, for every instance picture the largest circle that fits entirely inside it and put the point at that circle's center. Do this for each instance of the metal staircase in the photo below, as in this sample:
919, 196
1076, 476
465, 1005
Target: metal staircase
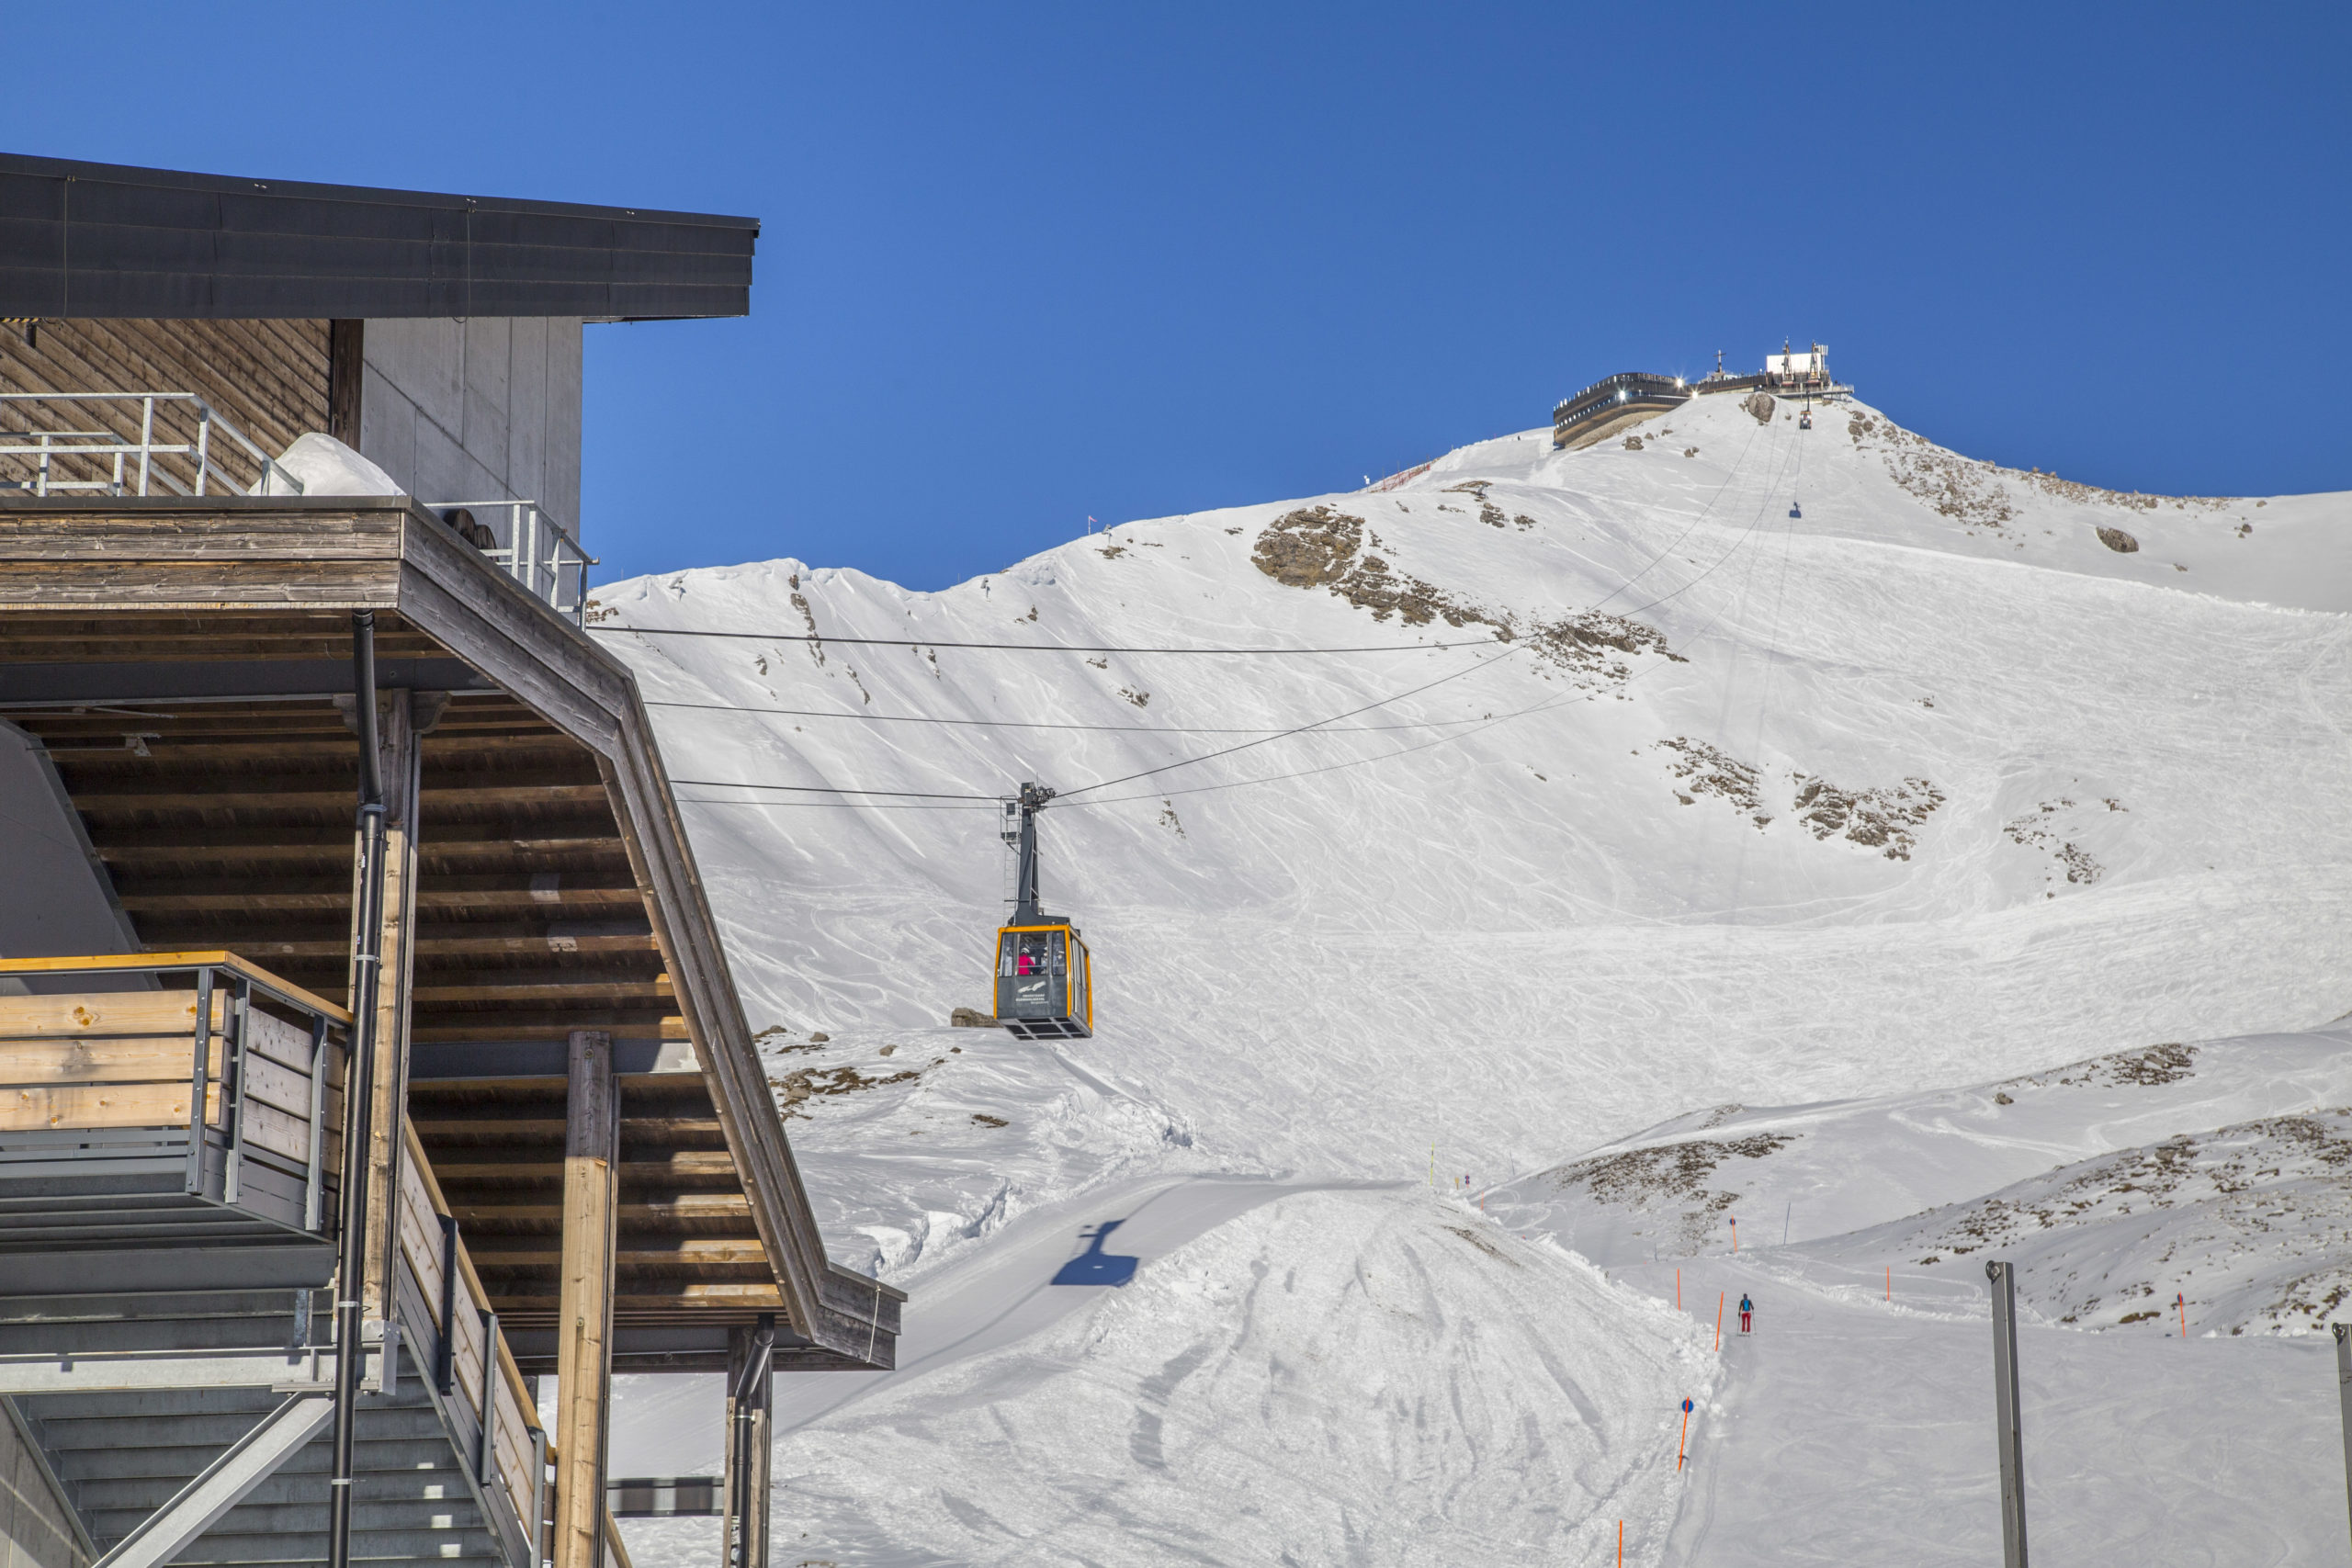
121, 1459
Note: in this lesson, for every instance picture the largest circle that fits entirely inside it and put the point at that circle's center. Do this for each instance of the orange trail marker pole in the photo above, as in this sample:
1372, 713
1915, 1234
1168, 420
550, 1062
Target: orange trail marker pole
1734, 1236
2180, 1299
1719, 1318
1682, 1446
1621, 1544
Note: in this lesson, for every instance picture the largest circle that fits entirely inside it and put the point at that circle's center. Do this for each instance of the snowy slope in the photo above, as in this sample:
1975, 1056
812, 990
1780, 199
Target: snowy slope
1531, 902
1795, 1174
1657, 798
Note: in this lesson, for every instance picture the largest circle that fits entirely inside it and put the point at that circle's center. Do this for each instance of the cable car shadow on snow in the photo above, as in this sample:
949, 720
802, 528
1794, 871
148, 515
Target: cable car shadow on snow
1096, 1266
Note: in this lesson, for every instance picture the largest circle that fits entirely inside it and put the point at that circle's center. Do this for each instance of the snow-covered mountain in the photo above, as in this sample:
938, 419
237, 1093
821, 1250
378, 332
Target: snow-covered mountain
1732, 764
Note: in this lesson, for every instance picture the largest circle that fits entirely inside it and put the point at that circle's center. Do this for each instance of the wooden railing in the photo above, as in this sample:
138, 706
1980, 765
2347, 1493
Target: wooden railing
468, 1361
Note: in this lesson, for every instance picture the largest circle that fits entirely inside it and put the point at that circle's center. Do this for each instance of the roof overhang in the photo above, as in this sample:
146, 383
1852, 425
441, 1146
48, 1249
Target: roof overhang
102, 240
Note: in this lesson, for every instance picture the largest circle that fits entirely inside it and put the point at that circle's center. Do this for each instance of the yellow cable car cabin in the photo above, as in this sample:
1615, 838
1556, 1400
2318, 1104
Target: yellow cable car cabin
1045, 986
1045, 978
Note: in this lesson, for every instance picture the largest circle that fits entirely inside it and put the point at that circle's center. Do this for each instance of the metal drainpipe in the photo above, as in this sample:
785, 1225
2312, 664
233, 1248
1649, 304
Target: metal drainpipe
358, 1085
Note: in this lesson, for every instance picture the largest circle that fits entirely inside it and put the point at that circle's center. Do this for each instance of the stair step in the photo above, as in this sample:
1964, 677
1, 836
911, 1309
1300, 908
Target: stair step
414, 1456
418, 1488
308, 1516
222, 1546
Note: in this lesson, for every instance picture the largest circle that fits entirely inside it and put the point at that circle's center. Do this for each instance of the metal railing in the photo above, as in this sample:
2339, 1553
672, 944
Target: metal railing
532, 547
446, 1310
126, 464
238, 1074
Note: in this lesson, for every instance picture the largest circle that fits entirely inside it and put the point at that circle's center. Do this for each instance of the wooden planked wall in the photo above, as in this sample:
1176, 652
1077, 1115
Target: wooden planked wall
270, 378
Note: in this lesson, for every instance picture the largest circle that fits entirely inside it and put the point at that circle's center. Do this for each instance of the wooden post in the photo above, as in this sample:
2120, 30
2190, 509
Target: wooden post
403, 718
398, 751
583, 1356
751, 1362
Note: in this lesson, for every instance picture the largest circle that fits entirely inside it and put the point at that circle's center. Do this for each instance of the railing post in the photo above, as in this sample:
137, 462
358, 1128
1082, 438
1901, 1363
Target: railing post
201, 1080
203, 446
147, 440
40, 480
444, 1362
233, 1090
313, 1181
485, 1449
2005, 1407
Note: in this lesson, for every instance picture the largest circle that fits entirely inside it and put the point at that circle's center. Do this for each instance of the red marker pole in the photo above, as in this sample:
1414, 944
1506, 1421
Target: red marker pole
1719, 1318
1621, 1544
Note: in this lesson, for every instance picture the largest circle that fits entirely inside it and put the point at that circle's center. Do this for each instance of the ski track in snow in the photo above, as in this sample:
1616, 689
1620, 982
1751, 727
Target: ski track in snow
1938, 789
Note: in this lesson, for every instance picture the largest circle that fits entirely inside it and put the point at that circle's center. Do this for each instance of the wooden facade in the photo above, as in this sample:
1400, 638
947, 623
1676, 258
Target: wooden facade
270, 378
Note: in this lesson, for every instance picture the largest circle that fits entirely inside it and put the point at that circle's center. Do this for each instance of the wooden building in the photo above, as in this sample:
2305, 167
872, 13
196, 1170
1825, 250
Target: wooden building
322, 1146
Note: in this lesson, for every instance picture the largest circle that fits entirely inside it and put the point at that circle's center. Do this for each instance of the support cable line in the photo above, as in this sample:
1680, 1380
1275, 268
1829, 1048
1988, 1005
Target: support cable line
1298, 730
1032, 647
1124, 778
1762, 505
1262, 738
1036, 724
1739, 463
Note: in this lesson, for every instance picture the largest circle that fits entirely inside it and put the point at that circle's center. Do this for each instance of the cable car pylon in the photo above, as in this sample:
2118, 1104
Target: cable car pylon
1044, 976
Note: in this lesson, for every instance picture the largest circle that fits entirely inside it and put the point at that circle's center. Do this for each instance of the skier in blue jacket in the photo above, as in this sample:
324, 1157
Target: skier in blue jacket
1746, 1307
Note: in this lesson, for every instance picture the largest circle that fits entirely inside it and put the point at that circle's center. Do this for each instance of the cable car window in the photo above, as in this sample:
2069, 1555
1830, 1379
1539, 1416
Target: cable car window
1032, 953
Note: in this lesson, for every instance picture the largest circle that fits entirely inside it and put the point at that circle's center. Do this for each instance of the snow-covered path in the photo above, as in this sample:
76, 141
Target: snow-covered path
1851, 1431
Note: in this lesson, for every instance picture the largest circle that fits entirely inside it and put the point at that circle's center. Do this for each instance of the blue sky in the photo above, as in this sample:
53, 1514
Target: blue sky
1025, 263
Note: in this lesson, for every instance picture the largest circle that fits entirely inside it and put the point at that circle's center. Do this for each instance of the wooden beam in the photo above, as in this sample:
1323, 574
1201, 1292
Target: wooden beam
401, 716
584, 1314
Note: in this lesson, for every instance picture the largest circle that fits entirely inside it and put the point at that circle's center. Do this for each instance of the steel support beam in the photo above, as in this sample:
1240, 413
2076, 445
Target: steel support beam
2343, 1332
2005, 1407
751, 1369
249, 1461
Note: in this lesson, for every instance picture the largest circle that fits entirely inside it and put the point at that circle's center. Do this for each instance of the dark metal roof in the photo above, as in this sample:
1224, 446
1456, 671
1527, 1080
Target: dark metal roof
102, 240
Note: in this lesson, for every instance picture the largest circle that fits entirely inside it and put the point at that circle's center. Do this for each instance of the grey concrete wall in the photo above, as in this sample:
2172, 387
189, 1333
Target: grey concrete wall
480, 410
55, 900
34, 1528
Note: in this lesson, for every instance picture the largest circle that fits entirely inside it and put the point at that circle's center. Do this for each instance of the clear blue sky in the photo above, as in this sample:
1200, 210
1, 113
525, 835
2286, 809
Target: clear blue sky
1025, 263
